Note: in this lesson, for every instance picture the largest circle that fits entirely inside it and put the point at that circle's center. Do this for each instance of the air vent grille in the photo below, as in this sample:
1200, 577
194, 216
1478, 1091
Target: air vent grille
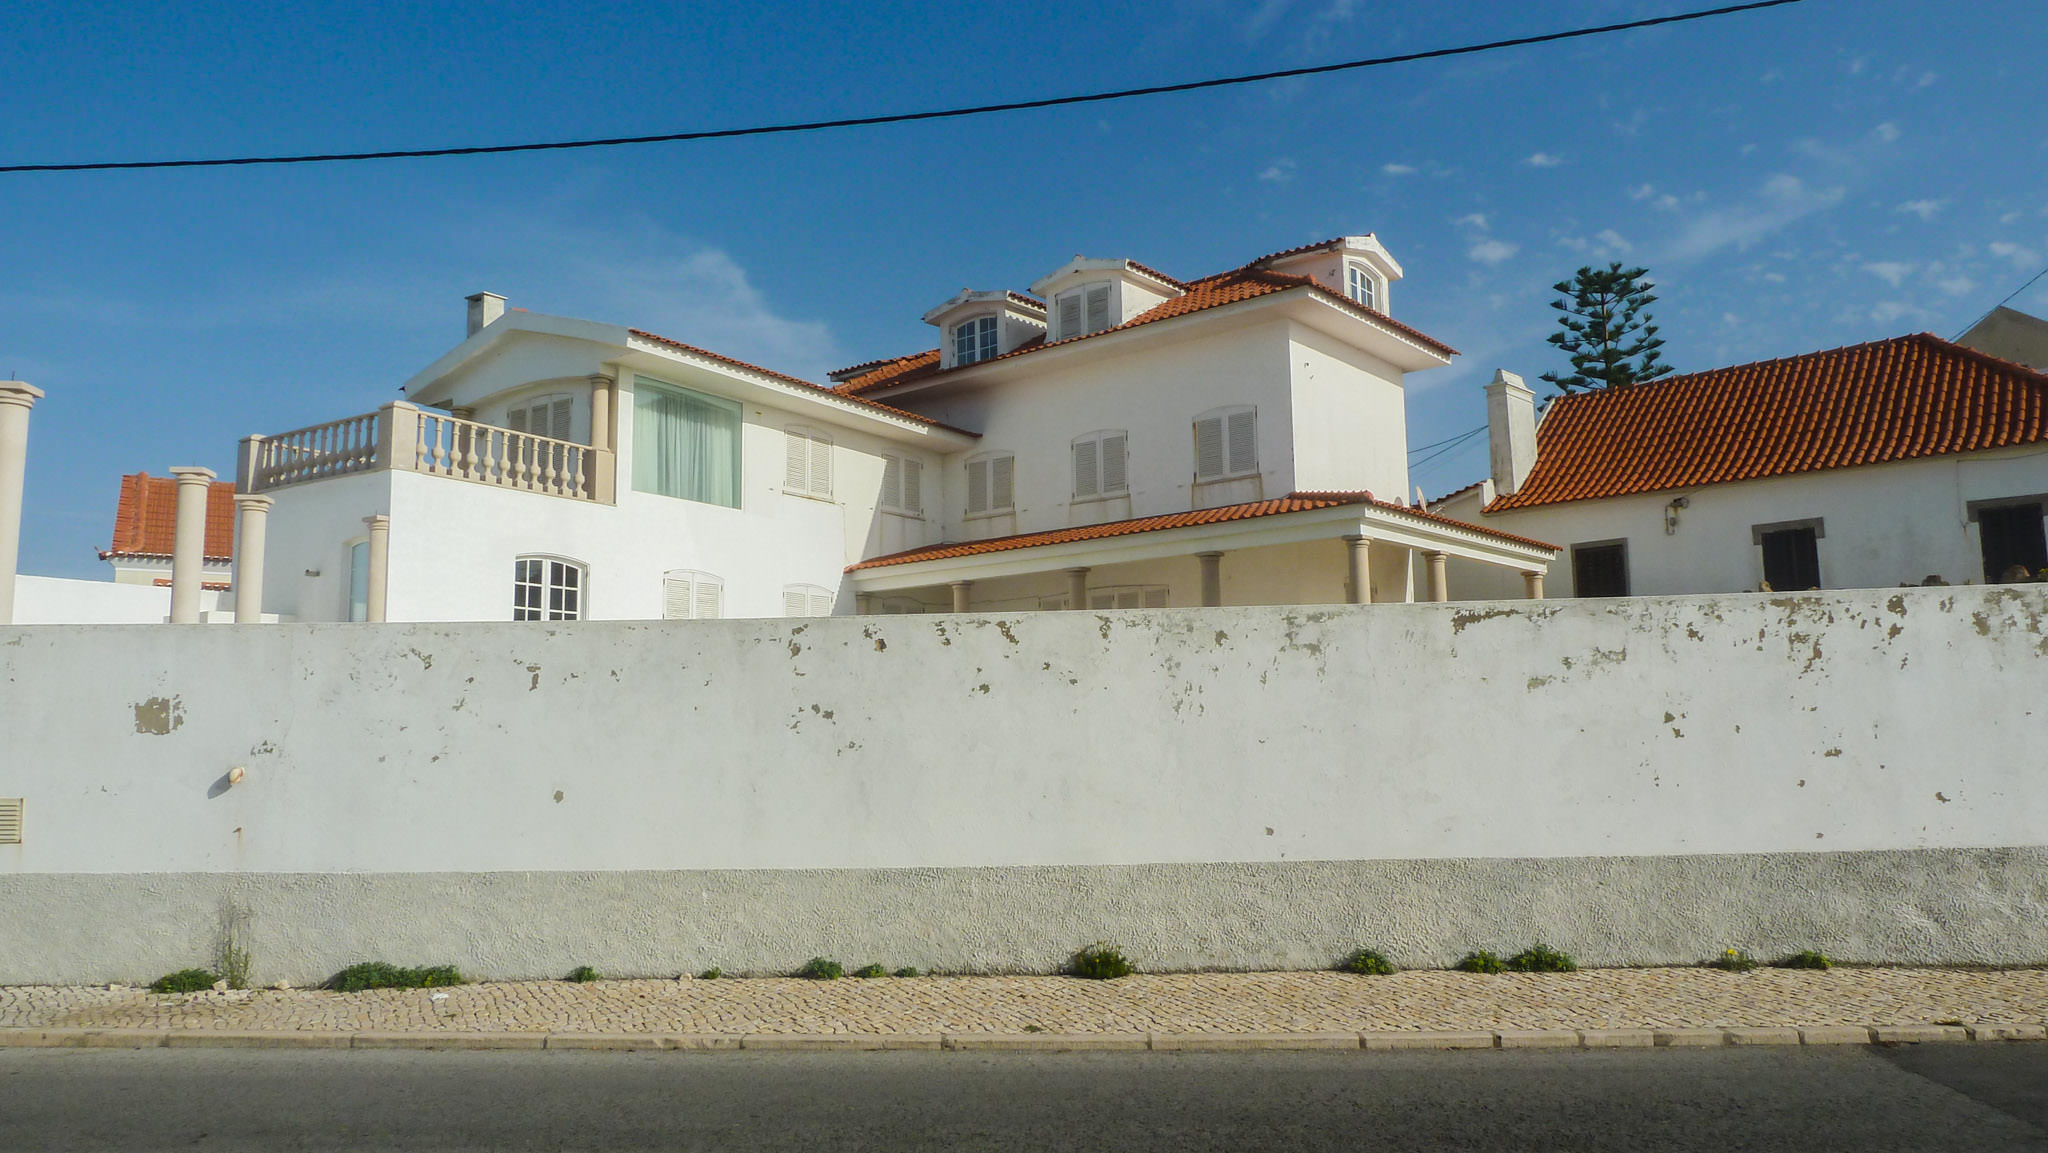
10, 820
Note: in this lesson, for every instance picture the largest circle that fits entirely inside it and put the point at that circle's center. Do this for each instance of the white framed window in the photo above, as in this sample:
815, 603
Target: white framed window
974, 340
807, 462
807, 601
1361, 285
991, 484
685, 444
1101, 465
546, 589
542, 416
689, 595
1082, 311
1128, 597
902, 484
1227, 443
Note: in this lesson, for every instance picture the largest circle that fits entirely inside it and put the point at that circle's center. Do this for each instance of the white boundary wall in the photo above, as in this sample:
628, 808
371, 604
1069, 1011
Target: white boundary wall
1743, 727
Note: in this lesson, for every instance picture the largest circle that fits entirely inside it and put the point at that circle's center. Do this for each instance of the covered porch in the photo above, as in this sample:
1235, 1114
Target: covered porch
1306, 548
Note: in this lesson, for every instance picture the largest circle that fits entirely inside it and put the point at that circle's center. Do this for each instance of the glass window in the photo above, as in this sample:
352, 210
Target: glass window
1791, 559
1600, 570
2011, 537
544, 589
359, 581
1360, 286
685, 444
974, 340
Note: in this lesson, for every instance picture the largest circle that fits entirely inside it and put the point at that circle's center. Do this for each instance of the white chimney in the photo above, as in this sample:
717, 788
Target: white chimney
1510, 430
484, 307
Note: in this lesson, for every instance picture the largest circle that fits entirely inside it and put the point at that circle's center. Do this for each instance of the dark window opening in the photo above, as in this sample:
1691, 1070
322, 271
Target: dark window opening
2011, 535
1791, 559
1600, 570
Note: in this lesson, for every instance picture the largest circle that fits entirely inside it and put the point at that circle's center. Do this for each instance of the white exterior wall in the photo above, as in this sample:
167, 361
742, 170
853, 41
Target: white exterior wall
61, 600
307, 538
1350, 423
1885, 525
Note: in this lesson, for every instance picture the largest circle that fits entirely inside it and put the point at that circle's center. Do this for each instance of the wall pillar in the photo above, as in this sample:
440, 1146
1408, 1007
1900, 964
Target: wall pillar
380, 567
960, 595
1439, 576
254, 514
188, 545
1359, 591
1532, 585
1212, 578
16, 399
1077, 588
602, 475
864, 604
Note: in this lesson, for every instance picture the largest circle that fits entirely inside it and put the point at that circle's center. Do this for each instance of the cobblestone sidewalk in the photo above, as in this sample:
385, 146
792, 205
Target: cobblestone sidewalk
1195, 1003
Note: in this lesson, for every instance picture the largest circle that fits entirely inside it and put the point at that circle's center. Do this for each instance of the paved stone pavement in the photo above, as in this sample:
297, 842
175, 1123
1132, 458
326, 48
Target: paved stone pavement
1189, 1003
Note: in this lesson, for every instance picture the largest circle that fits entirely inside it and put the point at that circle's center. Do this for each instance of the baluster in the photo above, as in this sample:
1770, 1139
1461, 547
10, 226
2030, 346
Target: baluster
551, 454
576, 464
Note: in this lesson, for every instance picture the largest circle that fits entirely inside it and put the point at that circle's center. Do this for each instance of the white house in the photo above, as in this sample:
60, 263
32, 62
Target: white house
1119, 438
1869, 466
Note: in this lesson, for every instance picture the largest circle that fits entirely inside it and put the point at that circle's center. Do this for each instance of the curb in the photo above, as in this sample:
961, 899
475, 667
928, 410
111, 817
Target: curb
1371, 1041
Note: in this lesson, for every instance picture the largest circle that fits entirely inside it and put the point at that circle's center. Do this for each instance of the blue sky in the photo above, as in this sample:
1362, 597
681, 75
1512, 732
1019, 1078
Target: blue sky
1798, 178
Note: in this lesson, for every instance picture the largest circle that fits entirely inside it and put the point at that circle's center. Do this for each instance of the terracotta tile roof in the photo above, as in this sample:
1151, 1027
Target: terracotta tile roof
1297, 250
1239, 284
146, 518
1890, 400
1156, 274
788, 379
1292, 502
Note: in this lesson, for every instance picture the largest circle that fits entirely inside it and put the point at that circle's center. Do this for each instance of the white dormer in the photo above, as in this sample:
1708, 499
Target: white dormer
1358, 267
975, 326
1085, 295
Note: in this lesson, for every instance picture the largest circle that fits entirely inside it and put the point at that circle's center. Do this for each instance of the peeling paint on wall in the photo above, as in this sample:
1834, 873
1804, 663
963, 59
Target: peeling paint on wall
157, 716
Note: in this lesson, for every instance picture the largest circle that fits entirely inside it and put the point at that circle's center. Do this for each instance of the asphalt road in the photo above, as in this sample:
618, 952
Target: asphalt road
1978, 1097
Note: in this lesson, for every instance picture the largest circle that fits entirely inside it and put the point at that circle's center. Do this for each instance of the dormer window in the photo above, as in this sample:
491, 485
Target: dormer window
1082, 311
975, 340
1360, 285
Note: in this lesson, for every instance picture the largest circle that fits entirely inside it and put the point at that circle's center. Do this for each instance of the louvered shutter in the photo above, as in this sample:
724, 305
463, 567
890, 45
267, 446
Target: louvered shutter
1002, 482
1087, 477
1244, 442
913, 485
708, 600
1113, 478
516, 420
675, 598
1098, 308
1070, 316
821, 467
794, 601
1102, 600
820, 603
977, 486
1209, 448
796, 460
558, 417
1155, 598
892, 482
10, 820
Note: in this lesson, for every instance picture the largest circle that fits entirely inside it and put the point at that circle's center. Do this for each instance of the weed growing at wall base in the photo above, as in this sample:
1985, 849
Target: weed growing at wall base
382, 975
1805, 959
582, 975
1369, 961
1100, 962
1734, 961
871, 971
821, 969
184, 981
1541, 958
1479, 961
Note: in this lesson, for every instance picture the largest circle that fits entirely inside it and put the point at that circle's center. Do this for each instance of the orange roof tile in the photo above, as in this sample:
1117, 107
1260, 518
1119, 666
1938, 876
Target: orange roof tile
1292, 502
788, 379
1898, 399
1239, 284
146, 518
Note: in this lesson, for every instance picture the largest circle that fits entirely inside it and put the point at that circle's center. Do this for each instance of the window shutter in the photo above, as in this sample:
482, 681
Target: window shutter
675, 598
709, 600
1113, 478
1086, 476
1070, 316
1155, 598
796, 462
821, 604
913, 486
1002, 482
516, 420
1244, 442
1102, 600
1098, 308
892, 482
1209, 448
821, 466
794, 602
558, 418
977, 486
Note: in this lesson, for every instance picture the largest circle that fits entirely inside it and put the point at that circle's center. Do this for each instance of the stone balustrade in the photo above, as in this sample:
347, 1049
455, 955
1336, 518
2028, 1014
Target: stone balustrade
406, 438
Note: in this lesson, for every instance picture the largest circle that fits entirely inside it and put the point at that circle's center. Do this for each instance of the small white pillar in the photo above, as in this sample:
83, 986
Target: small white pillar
380, 566
1360, 592
253, 513
1212, 578
1439, 577
16, 399
1077, 588
1532, 585
188, 545
960, 589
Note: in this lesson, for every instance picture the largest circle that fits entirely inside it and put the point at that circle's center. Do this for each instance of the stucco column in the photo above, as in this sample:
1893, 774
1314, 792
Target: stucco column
1532, 585
600, 410
960, 595
380, 566
1439, 577
254, 514
602, 474
16, 398
1360, 591
188, 546
1212, 578
1077, 588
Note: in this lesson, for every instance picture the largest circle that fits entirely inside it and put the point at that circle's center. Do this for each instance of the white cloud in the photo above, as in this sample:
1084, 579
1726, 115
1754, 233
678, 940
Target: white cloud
1889, 311
1891, 272
1642, 192
1476, 220
1957, 285
1924, 209
1782, 200
2018, 254
1279, 172
1543, 160
1398, 169
2009, 217
1491, 251
1887, 132
1610, 241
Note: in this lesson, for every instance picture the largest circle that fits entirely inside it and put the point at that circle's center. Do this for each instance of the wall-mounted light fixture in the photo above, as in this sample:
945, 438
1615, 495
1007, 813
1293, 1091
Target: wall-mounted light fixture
1671, 514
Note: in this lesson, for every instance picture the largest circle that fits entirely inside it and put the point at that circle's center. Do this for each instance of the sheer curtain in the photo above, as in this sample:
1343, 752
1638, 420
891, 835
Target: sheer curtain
685, 444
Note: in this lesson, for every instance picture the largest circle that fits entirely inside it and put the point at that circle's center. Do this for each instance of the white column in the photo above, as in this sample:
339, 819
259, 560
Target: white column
1360, 591
188, 546
1532, 585
1077, 588
380, 566
1439, 578
16, 398
960, 595
1212, 578
254, 514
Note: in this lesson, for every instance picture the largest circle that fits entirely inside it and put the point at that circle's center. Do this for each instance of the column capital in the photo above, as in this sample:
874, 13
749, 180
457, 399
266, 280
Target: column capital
1082, 570
193, 474
19, 392
253, 502
381, 520
602, 380
1211, 555
1356, 538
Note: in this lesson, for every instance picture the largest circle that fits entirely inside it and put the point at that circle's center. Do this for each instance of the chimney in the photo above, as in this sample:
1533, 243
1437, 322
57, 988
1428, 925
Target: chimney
1510, 430
484, 307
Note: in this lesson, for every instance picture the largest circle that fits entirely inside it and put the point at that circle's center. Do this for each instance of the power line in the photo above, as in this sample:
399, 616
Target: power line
2000, 304
1451, 445
902, 117
1444, 441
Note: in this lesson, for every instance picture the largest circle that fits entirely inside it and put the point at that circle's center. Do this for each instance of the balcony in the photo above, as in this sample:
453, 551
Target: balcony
405, 438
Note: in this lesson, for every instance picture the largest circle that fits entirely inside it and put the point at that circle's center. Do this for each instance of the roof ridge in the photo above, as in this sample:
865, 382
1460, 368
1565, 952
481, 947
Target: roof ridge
783, 376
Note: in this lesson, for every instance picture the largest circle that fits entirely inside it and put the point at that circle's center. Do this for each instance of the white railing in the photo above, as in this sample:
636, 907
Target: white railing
405, 438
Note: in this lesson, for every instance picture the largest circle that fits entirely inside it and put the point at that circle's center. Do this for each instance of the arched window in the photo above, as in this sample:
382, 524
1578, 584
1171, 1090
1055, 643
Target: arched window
546, 588
975, 340
1361, 285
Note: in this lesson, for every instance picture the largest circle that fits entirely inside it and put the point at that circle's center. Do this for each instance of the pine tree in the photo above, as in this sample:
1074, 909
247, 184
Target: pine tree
1607, 329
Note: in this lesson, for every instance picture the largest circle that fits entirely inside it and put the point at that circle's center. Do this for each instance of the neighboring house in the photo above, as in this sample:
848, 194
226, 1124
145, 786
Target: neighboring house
1119, 438
2010, 334
1869, 466
145, 524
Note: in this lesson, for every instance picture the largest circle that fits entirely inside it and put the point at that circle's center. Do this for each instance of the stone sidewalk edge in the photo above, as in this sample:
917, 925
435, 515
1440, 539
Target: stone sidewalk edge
19, 1038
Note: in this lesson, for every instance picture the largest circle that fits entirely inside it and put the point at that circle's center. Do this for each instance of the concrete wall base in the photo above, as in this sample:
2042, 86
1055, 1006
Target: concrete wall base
1935, 907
